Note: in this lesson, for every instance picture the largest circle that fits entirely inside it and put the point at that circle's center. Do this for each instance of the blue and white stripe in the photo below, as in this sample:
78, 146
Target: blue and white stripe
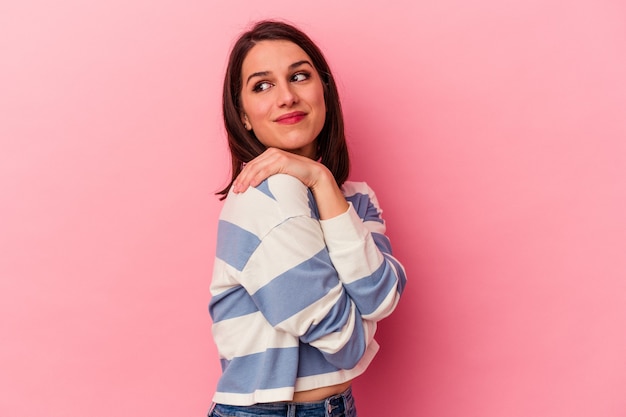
295, 300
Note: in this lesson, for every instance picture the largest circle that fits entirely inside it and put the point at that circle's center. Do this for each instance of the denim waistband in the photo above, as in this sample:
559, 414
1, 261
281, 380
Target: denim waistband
340, 405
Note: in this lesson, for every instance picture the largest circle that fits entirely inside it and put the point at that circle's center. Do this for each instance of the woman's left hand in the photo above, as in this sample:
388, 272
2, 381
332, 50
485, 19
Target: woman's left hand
314, 175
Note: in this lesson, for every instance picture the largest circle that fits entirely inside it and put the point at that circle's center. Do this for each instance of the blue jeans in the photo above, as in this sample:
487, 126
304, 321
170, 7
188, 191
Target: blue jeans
340, 405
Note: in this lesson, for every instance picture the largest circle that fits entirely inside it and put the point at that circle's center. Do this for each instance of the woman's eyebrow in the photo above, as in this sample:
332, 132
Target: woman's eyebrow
257, 74
299, 63
266, 73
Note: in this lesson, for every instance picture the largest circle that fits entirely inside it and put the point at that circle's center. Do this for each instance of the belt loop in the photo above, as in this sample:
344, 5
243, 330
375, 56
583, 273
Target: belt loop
291, 410
334, 402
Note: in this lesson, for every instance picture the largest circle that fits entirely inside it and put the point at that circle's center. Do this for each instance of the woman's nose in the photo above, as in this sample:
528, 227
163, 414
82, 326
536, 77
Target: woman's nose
286, 95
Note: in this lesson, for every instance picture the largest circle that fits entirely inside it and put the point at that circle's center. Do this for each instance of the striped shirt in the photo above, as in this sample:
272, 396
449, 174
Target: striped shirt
295, 299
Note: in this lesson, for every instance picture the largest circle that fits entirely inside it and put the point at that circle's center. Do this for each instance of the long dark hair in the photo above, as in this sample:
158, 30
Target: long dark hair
332, 150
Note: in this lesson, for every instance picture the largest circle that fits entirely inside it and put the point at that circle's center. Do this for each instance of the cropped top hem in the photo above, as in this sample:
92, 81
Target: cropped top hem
302, 384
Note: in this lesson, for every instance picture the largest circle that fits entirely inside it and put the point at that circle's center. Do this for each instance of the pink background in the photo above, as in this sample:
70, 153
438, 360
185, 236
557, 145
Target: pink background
494, 133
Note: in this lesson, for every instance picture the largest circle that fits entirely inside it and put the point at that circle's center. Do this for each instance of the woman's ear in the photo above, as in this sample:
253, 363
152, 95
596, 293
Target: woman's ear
246, 123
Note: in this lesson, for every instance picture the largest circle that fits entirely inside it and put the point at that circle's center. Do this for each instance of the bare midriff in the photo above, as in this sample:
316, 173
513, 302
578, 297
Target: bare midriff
319, 394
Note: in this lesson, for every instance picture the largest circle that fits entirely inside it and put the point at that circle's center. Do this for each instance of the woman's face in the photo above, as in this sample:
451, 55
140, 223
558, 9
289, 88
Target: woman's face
282, 97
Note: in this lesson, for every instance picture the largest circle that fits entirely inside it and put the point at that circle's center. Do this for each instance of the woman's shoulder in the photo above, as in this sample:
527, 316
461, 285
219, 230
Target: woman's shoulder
279, 196
287, 182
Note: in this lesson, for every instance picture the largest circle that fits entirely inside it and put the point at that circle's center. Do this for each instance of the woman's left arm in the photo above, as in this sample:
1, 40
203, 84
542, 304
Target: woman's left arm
362, 256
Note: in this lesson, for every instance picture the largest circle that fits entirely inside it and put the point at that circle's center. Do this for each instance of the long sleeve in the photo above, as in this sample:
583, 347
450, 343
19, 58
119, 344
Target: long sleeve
292, 281
361, 254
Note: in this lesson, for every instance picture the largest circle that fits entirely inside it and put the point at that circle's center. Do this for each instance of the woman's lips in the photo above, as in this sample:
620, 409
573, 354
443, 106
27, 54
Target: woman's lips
290, 118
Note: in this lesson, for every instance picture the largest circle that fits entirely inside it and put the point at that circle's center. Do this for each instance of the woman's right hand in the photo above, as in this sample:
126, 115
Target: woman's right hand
329, 198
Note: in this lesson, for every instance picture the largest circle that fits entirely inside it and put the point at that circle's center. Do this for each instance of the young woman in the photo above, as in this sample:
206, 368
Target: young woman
303, 269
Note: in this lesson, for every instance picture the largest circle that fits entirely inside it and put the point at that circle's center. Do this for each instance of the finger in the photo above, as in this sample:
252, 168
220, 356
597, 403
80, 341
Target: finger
263, 168
274, 161
256, 171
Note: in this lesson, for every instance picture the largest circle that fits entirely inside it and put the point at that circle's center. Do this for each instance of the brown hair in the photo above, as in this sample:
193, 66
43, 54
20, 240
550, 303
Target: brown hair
332, 150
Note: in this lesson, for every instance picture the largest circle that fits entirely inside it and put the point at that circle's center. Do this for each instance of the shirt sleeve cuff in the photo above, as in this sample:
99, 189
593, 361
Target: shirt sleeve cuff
344, 231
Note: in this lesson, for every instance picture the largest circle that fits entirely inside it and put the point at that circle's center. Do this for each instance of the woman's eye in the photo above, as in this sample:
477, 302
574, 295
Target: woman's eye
262, 86
301, 76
